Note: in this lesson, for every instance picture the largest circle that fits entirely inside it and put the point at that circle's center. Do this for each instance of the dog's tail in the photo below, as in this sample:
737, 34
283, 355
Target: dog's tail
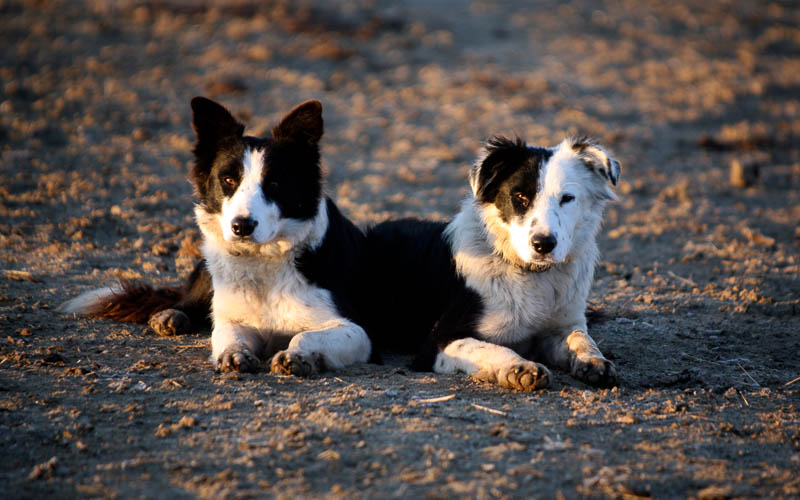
184, 309
130, 301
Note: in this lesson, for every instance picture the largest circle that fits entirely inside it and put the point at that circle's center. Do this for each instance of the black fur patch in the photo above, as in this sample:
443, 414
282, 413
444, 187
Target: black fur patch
218, 132
292, 176
415, 300
303, 124
196, 297
509, 175
337, 263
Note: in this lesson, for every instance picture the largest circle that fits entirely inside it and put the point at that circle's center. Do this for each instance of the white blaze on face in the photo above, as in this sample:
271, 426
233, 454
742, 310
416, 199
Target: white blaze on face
248, 201
519, 230
558, 178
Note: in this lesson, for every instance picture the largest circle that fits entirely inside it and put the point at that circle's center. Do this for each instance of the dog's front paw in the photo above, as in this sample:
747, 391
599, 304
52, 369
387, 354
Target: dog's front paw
595, 371
170, 322
525, 376
294, 363
237, 359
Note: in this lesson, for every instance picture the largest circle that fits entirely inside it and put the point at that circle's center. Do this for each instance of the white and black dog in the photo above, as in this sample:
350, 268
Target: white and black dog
281, 265
504, 285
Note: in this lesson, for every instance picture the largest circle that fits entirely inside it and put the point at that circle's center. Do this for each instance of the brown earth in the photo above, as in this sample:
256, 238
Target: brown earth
698, 288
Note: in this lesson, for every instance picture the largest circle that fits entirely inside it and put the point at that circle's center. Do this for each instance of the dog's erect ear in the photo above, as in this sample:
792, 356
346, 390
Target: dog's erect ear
303, 124
496, 161
213, 122
475, 173
597, 159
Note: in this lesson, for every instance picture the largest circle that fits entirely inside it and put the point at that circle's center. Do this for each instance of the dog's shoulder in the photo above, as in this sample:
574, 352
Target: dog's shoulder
340, 242
335, 262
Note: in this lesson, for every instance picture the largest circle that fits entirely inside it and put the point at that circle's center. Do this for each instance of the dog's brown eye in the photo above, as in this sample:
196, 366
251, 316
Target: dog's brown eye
229, 180
521, 199
566, 199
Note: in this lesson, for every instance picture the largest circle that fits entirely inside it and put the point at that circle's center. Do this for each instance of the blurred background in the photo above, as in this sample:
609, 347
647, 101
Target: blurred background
410, 88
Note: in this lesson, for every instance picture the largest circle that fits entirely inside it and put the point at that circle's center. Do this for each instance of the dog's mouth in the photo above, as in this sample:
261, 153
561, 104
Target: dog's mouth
540, 266
249, 243
246, 242
541, 263
536, 264
240, 246
276, 247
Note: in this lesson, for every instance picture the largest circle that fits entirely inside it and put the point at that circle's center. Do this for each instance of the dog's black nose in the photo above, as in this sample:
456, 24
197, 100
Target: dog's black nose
544, 243
243, 226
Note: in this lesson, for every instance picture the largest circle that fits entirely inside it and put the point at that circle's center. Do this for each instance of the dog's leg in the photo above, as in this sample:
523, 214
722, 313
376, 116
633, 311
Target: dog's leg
492, 363
577, 353
191, 312
314, 351
235, 347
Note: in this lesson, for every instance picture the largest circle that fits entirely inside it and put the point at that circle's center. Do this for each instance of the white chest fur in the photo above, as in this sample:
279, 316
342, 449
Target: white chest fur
519, 304
267, 293
258, 286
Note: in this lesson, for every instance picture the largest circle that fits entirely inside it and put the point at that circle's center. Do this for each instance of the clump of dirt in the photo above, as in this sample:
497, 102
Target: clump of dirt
696, 298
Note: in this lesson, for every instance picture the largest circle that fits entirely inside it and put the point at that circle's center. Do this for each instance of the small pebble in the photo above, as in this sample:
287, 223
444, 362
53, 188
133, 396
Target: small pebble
744, 172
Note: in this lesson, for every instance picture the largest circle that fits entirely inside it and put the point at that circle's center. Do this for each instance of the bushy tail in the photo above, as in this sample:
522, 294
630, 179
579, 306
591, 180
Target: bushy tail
131, 301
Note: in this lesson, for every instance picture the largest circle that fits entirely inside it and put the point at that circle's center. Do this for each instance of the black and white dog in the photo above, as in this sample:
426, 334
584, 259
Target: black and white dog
507, 281
281, 265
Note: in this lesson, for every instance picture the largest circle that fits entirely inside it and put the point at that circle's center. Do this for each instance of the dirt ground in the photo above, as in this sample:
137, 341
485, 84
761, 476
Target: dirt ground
697, 291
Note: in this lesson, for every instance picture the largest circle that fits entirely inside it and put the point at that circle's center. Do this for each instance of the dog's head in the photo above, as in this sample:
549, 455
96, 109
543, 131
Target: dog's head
257, 190
539, 203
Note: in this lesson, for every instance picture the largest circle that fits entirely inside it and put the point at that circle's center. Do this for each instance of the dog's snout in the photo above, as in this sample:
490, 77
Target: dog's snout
243, 226
544, 243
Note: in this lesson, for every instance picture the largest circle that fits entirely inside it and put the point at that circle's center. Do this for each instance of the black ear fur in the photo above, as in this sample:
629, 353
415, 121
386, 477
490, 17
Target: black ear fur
597, 159
303, 124
213, 122
500, 158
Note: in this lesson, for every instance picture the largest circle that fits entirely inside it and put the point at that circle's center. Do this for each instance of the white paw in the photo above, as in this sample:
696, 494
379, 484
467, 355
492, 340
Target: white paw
296, 363
519, 376
595, 371
237, 358
524, 376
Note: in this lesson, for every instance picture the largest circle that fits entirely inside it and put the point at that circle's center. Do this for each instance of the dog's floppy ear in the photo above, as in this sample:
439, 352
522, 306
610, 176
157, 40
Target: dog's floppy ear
213, 122
597, 159
303, 124
496, 160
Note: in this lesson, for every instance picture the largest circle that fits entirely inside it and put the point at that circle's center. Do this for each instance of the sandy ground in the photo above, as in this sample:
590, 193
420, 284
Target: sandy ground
698, 288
